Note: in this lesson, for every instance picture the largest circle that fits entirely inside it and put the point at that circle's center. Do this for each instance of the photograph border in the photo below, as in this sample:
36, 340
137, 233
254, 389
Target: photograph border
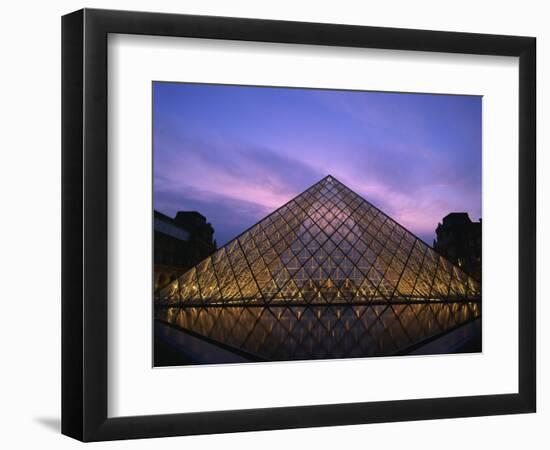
84, 224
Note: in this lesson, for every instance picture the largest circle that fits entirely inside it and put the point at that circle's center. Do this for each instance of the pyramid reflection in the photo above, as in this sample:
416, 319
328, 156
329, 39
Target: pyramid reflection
282, 333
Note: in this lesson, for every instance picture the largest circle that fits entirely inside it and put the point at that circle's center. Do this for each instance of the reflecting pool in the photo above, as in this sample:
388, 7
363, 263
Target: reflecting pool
282, 333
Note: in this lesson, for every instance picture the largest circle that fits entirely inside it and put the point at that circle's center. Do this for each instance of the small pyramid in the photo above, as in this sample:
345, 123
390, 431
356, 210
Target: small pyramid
328, 245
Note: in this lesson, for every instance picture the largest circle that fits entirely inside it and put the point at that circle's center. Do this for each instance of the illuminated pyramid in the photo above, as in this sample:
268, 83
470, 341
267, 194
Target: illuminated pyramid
326, 246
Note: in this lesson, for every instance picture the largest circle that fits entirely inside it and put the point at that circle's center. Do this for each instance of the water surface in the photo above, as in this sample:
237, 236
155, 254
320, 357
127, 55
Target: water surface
279, 333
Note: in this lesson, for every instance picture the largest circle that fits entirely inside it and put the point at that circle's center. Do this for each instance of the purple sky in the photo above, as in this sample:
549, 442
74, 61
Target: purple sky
236, 153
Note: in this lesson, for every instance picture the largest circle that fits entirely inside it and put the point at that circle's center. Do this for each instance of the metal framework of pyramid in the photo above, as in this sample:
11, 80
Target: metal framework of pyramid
328, 245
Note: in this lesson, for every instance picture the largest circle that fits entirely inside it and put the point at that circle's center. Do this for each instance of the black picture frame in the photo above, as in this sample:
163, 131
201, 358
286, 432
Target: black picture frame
84, 224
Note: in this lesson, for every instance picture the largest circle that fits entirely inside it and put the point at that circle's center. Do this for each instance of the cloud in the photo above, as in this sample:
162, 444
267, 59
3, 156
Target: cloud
415, 157
234, 185
229, 217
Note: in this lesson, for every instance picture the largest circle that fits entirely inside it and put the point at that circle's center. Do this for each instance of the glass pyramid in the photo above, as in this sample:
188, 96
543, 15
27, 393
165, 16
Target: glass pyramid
327, 246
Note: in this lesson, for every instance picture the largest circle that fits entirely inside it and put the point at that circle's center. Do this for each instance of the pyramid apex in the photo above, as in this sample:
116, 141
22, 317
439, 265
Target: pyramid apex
330, 178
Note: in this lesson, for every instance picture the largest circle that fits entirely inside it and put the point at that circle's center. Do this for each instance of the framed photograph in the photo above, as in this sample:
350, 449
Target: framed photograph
273, 224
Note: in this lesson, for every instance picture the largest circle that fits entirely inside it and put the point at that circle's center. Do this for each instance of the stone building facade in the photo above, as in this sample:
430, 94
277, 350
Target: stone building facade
459, 240
179, 243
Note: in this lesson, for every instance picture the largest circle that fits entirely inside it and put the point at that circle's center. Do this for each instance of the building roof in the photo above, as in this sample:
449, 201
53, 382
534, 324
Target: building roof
456, 218
164, 224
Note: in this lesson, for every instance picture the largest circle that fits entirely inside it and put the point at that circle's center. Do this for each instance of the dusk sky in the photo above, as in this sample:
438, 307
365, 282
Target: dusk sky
236, 153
